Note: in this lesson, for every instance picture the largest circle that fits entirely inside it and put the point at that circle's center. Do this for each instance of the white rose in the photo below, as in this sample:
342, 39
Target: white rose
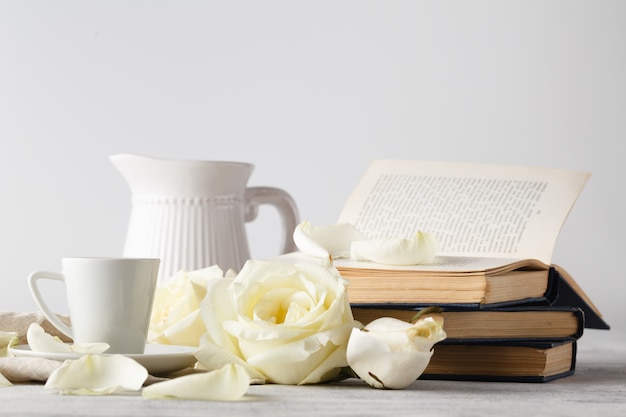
175, 318
390, 354
286, 323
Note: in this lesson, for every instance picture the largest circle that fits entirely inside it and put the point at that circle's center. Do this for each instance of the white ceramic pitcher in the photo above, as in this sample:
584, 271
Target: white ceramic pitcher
192, 214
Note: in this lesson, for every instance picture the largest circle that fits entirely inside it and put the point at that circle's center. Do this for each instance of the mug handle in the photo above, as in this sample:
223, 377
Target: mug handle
283, 202
47, 312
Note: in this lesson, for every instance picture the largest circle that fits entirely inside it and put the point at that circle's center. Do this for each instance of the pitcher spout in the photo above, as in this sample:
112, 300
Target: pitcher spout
139, 171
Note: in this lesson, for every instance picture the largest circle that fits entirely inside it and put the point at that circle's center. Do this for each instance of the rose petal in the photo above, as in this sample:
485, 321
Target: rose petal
420, 248
41, 341
388, 324
212, 357
425, 333
304, 361
226, 384
91, 348
321, 241
390, 331
98, 375
185, 332
217, 308
328, 369
7, 339
401, 335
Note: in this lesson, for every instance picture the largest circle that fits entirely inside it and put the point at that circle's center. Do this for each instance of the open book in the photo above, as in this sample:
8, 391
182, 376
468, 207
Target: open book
491, 220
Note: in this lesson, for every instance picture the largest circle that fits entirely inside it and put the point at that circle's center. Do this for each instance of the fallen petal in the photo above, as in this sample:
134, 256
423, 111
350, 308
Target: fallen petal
40, 341
7, 339
321, 241
419, 249
212, 357
98, 375
92, 348
226, 384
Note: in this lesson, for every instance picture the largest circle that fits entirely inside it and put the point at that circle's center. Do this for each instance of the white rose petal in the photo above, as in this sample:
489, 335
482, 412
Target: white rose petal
390, 353
7, 339
98, 375
225, 384
322, 241
218, 307
420, 248
91, 348
422, 335
298, 362
213, 357
185, 332
40, 341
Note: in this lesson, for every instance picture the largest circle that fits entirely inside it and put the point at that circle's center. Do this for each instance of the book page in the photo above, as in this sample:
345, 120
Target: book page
447, 264
473, 209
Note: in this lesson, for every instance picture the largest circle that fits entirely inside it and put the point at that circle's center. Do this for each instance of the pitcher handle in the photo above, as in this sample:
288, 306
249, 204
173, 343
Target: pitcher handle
283, 202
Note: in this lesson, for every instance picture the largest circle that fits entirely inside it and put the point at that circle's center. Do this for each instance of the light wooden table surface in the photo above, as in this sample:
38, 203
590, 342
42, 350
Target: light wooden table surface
598, 388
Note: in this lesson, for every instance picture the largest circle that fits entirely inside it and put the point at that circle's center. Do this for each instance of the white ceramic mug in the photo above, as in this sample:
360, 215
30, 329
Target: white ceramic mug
109, 300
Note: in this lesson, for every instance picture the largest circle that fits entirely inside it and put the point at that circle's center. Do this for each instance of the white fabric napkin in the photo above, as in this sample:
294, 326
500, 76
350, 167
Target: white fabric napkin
11, 321
27, 369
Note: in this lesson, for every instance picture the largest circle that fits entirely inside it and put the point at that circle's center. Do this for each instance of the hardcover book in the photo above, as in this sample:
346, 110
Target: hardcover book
494, 325
502, 362
562, 292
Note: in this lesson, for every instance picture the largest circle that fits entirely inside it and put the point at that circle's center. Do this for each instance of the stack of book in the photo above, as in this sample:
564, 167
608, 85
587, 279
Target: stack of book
509, 313
526, 339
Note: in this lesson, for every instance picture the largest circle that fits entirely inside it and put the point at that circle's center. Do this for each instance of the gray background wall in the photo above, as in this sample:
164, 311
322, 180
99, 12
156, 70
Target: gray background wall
310, 92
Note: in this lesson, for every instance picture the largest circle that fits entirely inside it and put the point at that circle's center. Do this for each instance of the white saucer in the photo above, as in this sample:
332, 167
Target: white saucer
157, 359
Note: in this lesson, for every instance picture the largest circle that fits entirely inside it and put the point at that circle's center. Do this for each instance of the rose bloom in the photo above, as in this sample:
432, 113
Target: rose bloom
285, 323
391, 354
175, 318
